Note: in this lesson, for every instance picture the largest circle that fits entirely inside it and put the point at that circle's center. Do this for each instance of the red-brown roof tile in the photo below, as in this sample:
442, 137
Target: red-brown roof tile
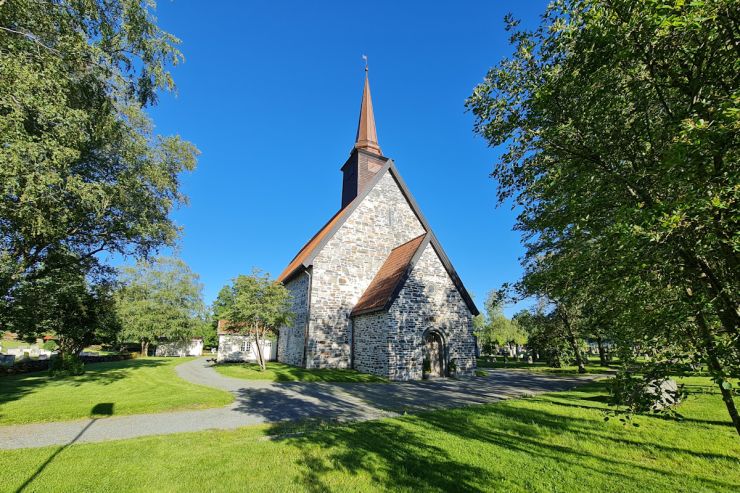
385, 282
309, 247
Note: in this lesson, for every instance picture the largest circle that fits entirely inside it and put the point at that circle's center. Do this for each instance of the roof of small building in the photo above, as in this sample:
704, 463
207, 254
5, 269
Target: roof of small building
388, 282
223, 328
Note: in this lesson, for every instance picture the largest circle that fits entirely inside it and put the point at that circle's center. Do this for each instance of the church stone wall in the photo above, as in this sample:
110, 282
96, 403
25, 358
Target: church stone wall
347, 264
291, 338
371, 343
429, 300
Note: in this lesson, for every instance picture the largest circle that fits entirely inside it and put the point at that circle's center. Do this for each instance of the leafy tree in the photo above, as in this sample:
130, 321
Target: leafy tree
496, 329
159, 299
81, 169
545, 337
620, 121
77, 309
256, 306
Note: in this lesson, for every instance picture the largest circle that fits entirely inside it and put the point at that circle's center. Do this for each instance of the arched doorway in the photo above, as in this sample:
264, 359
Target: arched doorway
434, 355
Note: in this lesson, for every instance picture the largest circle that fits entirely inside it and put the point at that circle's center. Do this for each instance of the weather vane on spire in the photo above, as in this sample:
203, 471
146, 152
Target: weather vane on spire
364, 57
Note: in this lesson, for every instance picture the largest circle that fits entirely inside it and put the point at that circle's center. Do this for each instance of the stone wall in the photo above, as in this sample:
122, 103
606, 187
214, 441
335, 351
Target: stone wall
371, 343
429, 300
346, 265
290, 339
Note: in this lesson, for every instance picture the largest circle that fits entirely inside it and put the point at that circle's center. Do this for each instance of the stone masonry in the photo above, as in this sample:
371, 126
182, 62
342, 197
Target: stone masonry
347, 264
429, 301
291, 339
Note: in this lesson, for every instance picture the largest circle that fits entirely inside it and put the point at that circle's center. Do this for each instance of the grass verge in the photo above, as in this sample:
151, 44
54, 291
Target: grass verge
147, 385
280, 372
554, 442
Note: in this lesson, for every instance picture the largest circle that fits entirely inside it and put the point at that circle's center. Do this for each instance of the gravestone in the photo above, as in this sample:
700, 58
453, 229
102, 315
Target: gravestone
666, 394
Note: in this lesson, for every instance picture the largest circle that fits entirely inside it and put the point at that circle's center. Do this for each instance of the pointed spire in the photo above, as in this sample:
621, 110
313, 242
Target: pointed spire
367, 138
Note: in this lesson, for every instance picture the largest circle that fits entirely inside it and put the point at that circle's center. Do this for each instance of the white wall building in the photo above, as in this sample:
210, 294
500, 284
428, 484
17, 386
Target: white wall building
193, 347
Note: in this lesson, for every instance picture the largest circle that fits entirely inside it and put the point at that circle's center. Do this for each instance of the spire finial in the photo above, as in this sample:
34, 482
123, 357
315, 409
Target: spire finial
367, 137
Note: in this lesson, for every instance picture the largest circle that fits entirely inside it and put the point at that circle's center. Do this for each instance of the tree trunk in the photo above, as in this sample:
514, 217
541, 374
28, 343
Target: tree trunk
260, 358
573, 342
715, 368
142, 353
602, 351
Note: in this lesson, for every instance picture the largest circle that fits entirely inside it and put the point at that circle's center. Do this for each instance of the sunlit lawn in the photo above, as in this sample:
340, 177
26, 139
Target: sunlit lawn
539, 367
123, 387
279, 372
553, 443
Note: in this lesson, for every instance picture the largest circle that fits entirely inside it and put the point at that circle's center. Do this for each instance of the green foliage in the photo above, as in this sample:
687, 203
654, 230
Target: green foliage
51, 345
159, 299
256, 306
81, 169
495, 329
640, 394
545, 337
620, 126
66, 365
78, 309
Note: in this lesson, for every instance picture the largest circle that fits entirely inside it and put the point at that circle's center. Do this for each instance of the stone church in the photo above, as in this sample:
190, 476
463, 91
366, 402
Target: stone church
373, 290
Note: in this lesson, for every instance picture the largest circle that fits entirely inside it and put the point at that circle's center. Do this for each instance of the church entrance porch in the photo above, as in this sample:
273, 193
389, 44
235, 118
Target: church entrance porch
434, 355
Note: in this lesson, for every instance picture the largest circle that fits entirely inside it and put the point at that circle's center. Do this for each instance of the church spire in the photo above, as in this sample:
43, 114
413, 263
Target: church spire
367, 138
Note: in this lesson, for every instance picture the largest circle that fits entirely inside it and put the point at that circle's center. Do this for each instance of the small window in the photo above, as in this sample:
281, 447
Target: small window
390, 217
246, 346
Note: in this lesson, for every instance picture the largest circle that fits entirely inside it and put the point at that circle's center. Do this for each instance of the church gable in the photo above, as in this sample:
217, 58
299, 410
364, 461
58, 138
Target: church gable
429, 300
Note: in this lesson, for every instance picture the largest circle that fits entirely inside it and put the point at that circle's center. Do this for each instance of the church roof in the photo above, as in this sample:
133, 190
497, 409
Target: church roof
310, 250
389, 280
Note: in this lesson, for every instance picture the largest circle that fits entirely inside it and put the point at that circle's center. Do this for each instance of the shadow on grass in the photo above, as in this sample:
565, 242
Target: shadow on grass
422, 452
101, 409
394, 457
14, 387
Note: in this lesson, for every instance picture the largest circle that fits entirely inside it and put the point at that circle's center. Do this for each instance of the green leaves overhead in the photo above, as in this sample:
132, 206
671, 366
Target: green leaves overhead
619, 122
81, 171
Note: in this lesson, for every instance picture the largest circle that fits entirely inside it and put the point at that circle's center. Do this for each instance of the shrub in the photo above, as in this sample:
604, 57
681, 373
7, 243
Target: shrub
50, 345
66, 365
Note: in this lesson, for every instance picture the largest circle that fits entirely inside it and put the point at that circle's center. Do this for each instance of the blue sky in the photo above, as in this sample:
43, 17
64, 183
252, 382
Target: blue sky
270, 93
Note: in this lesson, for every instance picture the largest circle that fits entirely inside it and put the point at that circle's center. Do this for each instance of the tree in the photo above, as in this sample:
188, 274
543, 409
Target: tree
496, 329
545, 337
81, 170
257, 306
159, 299
620, 123
79, 311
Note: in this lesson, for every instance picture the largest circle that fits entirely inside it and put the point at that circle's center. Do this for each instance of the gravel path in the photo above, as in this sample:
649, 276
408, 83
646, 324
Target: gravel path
263, 402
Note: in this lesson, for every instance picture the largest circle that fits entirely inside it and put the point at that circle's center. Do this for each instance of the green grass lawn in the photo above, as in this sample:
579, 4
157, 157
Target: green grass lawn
550, 443
540, 367
122, 387
279, 372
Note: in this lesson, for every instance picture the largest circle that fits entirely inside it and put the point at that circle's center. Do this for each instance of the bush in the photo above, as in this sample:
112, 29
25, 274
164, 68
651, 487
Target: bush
642, 394
50, 345
66, 365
